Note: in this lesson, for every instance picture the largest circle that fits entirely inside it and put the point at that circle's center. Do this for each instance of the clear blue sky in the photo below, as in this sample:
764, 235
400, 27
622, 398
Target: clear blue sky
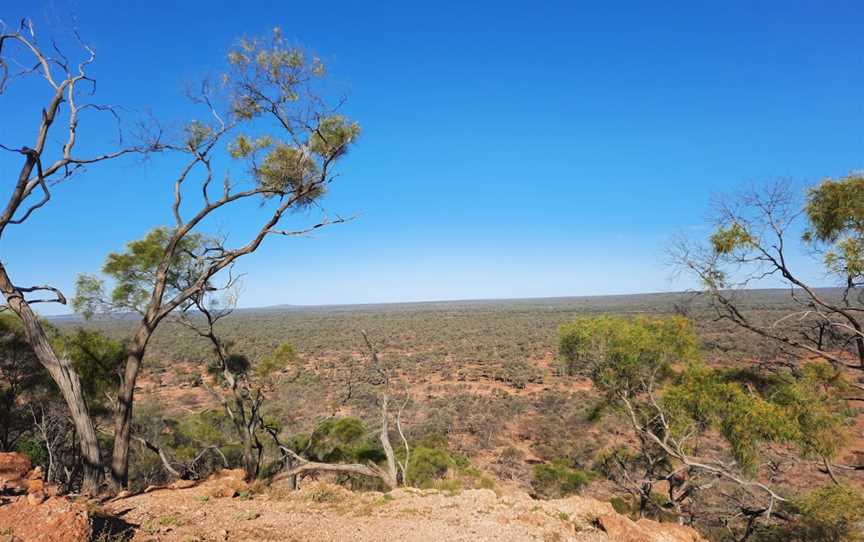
509, 149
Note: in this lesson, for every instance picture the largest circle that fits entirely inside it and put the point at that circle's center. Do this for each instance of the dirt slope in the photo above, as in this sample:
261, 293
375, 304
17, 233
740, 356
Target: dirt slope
221, 509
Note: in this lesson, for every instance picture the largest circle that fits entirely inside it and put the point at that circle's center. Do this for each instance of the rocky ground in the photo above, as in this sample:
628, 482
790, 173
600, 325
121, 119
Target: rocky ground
224, 508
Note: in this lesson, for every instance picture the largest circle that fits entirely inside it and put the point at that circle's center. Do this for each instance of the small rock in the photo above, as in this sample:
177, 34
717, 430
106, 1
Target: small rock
37, 497
14, 466
226, 492
35, 485
622, 529
123, 494
182, 484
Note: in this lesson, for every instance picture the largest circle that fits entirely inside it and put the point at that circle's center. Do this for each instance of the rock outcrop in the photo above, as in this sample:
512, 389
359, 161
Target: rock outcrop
30, 509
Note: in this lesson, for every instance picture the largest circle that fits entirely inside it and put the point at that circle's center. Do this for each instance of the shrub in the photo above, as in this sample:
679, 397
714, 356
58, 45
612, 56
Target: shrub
617, 352
558, 479
427, 465
830, 514
33, 449
510, 464
341, 440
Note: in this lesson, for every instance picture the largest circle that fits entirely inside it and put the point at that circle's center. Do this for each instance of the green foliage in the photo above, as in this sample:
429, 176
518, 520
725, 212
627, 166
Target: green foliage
22, 379
269, 76
243, 146
286, 169
340, 440
558, 479
184, 438
96, 358
191, 434
333, 136
730, 238
611, 461
836, 208
197, 133
807, 410
517, 374
830, 514
703, 397
134, 272
836, 213
428, 464
815, 403
622, 354
33, 449
282, 357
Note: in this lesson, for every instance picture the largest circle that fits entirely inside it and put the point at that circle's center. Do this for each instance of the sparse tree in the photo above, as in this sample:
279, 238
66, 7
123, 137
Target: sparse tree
395, 470
51, 158
21, 379
755, 239
243, 388
269, 114
649, 371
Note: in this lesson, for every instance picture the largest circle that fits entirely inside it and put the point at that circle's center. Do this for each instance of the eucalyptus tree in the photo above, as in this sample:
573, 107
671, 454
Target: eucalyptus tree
268, 113
242, 389
51, 158
755, 239
649, 372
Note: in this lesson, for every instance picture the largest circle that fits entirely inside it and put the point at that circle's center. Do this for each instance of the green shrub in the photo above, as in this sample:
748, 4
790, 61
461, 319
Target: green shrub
617, 352
427, 465
830, 514
557, 479
341, 440
33, 449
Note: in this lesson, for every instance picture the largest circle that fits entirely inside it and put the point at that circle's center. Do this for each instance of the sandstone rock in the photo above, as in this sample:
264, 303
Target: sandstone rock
52, 490
622, 529
226, 483
14, 466
13, 471
669, 532
123, 494
35, 485
35, 497
226, 492
36, 473
582, 507
54, 520
182, 484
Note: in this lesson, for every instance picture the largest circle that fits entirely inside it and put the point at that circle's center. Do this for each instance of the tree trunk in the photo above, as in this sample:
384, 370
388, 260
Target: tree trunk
250, 462
391, 475
123, 414
859, 342
65, 377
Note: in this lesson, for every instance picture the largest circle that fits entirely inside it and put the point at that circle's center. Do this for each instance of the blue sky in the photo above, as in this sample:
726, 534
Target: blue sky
508, 149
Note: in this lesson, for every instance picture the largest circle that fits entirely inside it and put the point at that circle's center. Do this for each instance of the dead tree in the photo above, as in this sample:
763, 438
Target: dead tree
269, 91
245, 399
43, 166
396, 470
